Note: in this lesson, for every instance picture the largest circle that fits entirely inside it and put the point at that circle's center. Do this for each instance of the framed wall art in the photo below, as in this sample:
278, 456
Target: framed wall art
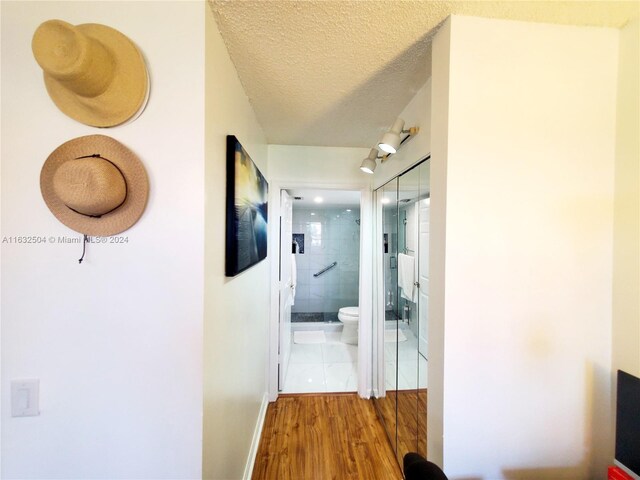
247, 190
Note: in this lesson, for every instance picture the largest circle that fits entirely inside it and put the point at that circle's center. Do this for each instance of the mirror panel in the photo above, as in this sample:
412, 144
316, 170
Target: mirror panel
407, 366
404, 222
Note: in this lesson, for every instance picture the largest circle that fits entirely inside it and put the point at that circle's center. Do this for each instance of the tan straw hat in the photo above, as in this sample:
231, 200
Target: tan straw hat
95, 185
93, 73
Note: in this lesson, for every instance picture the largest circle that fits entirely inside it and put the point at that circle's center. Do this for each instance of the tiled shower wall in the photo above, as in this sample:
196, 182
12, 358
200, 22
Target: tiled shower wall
330, 235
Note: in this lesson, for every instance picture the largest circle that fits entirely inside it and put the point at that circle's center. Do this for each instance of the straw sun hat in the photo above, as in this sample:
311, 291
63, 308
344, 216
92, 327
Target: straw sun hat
95, 185
93, 73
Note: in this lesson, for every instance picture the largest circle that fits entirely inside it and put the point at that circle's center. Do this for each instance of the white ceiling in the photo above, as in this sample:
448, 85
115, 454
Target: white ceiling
330, 198
337, 73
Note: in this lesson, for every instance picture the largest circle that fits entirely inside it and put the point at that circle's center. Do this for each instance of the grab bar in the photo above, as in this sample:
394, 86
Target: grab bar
325, 269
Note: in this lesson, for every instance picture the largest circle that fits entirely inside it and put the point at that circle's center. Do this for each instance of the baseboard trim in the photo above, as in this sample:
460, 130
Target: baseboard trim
255, 442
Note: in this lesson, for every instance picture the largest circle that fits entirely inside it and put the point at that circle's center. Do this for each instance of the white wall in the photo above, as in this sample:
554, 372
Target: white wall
318, 167
117, 341
415, 114
626, 234
441, 54
237, 308
529, 128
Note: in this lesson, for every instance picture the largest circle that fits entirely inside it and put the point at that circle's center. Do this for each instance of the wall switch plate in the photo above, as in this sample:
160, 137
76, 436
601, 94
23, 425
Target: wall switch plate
25, 398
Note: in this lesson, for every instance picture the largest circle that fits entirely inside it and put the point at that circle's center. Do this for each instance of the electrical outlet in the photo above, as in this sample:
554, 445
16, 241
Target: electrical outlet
25, 398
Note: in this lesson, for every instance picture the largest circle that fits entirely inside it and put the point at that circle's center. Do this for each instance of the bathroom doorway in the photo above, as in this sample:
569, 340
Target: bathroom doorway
319, 327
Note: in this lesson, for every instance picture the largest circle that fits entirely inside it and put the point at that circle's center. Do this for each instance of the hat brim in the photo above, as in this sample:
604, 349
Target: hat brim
127, 94
135, 175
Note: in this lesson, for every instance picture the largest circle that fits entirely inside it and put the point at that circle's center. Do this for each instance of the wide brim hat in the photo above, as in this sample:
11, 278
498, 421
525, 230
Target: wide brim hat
95, 185
93, 73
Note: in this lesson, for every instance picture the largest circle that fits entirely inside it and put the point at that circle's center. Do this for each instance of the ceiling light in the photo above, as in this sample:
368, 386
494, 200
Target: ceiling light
318, 199
369, 163
391, 140
348, 209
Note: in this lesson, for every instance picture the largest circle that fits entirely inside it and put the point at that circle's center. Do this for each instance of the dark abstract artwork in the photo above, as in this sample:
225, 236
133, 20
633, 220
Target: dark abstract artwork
247, 189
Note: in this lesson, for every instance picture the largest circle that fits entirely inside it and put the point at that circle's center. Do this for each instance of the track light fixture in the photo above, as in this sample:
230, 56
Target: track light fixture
391, 140
389, 144
369, 163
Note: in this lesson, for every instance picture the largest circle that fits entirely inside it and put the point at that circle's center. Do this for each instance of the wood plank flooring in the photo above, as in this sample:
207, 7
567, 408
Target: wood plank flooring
411, 417
324, 437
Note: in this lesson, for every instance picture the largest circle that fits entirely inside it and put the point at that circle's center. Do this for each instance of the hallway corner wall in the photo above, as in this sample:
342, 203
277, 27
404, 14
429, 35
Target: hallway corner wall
528, 132
236, 309
626, 233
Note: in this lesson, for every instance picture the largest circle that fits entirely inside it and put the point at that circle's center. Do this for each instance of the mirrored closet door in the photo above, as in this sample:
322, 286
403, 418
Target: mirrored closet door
402, 303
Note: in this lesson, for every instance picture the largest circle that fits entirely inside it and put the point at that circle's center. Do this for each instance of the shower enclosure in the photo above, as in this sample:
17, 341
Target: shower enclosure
326, 244
402, 286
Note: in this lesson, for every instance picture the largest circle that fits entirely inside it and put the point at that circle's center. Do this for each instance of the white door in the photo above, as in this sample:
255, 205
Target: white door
286, 286
423, 276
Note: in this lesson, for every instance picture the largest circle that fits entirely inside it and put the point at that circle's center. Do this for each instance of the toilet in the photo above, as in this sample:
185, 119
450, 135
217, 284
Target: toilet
349, 316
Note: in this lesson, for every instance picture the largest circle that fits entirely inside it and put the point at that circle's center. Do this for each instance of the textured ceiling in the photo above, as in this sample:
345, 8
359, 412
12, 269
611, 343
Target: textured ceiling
337, 73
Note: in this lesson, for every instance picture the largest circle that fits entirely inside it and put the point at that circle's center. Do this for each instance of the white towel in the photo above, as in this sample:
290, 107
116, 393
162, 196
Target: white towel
294, 278
406, 276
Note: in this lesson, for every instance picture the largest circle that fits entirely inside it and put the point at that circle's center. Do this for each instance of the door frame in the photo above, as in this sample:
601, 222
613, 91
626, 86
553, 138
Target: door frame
365, 295
284, 290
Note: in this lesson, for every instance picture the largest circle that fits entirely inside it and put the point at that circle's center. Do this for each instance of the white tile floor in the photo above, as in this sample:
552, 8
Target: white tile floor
325, 367
332, 366
412, 368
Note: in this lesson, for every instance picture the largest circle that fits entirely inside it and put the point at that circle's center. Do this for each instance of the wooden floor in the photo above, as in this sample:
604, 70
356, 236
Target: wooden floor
324, 436
410, 406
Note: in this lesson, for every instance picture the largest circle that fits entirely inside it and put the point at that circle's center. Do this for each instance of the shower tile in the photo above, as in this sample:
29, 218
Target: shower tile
315, 248
348, 263
331, 304
317, 261
316, 291
307, 317
304, 275
349, 278
331, 276
331, 247
331, 289
315, 305
302, 261
350, 246
302, 292
349, 289
301, 305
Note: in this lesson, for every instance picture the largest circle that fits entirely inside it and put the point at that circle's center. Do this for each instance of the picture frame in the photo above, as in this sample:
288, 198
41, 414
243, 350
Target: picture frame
246, 211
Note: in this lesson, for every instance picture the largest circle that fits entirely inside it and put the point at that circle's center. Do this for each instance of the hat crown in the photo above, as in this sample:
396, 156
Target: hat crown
90, 186
81, 63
